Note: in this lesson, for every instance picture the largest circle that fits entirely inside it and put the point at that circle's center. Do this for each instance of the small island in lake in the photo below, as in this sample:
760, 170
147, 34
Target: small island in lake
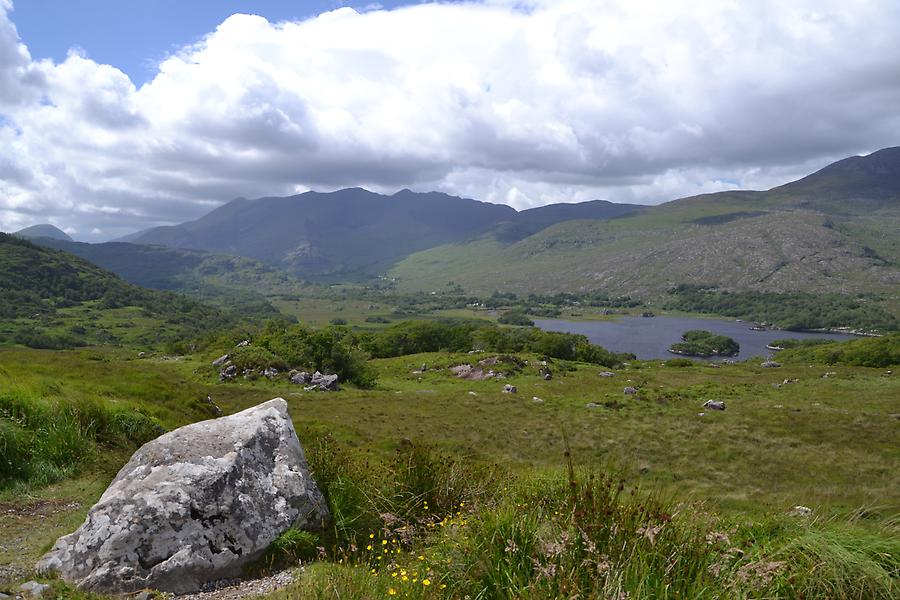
698, 342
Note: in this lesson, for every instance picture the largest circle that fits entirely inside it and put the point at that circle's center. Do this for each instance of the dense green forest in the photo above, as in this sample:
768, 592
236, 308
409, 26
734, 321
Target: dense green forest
793, 311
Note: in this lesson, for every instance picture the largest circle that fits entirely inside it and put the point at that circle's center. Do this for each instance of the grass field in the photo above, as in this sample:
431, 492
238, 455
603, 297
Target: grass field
826, 443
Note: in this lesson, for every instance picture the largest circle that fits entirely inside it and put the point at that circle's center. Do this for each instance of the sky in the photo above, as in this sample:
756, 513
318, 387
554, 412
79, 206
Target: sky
118, 116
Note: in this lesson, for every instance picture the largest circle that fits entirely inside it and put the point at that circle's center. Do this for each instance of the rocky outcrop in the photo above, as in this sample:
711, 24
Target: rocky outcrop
194, 505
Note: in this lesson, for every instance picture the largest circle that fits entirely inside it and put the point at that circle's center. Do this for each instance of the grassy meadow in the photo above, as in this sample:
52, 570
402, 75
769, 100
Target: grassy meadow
498, 495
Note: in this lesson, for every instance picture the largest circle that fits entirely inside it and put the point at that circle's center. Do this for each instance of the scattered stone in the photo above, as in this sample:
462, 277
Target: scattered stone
300, 377
801, 511
591, 405
895, 416
325, 383
144, 595
510, 389
714, 365
471, 373
142, 354
829, 374
229, 372
424, 367
714, 405
221, 360
770, 364
536, 400
195, 505
472, 394
546, 374
243, 344
607, 374
888, 372
34, 589
270, 373
630, 390
701, 414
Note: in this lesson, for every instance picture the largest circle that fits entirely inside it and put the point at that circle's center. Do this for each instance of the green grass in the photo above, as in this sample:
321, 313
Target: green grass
58, 411
827, 443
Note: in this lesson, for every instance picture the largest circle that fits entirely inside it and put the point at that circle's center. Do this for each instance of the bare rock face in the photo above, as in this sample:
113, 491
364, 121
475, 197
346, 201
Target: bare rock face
194, 505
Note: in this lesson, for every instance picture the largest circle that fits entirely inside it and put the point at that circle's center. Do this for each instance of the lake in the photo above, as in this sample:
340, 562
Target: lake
650, 337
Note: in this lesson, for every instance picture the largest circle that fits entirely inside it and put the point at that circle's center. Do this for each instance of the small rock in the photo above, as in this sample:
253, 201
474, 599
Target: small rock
424, 367
243, 344
537, 400
270, 373
702, 414
607, 374
33, 589
630, 390
546, 374
142, 354
510, 389
144, 595
472, 394
591, 405
326, 383
801, 511
714, 405
220, 361
229, 372
300, 378
5, 596
770, 364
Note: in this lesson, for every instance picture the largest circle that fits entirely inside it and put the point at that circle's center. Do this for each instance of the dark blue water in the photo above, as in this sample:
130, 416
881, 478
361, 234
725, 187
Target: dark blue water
650, 338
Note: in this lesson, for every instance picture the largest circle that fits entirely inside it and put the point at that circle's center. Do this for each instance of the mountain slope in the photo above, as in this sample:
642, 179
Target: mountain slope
835, 230
338, 234
43, 231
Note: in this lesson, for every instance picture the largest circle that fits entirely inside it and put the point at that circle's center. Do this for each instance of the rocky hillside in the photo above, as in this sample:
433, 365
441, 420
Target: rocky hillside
835, 230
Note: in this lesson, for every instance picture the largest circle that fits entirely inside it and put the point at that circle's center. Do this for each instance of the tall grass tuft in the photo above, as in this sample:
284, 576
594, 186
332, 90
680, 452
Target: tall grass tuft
43, 441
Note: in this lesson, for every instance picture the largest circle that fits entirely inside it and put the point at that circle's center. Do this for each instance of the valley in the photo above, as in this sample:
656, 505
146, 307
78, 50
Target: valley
472, 445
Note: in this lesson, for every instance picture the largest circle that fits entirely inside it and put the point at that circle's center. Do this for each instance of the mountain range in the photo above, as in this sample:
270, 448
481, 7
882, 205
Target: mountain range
834, 230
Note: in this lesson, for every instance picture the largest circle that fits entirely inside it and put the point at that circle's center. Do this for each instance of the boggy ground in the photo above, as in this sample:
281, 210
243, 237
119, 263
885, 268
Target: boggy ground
828, 443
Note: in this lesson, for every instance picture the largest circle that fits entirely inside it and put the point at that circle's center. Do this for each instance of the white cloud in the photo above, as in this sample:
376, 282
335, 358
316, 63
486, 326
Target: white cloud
509, 101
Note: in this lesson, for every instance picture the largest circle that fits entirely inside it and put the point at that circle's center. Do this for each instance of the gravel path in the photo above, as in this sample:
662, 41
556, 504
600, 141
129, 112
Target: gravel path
235, 589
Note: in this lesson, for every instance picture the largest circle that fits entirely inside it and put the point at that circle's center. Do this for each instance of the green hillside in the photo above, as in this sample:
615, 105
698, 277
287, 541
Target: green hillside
834, 231
235, 282
49, 298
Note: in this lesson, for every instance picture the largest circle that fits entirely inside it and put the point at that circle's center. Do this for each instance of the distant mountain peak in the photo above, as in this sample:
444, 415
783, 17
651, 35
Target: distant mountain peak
44, 230
882, 162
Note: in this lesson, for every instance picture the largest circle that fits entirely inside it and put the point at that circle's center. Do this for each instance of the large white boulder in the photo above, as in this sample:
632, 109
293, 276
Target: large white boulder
194, 505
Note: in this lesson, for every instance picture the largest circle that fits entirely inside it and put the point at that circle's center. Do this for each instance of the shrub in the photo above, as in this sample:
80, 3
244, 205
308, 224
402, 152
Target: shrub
679, 362
255, 358
516, 317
